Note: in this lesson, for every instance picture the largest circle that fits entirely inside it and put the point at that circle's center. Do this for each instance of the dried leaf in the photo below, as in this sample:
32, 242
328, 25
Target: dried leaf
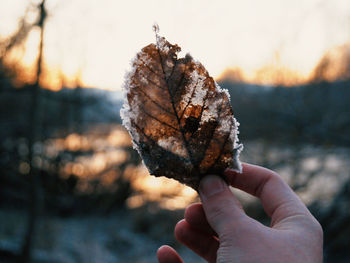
180, 120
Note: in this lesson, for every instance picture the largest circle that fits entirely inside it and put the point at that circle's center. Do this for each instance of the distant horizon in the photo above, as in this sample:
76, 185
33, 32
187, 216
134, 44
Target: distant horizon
92, 43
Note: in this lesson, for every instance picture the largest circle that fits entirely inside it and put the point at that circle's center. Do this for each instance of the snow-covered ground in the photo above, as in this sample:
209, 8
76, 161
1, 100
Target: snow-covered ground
134, 234
89, 238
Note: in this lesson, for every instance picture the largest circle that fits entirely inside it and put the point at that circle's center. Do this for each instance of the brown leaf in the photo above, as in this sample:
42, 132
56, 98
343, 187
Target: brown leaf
180, 120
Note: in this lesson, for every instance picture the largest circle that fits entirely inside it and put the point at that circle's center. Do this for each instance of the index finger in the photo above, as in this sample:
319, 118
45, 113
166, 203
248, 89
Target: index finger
278, 199
166, 254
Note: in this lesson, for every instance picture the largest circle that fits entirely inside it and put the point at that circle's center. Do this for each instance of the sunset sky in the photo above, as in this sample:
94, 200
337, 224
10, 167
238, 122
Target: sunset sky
97, 38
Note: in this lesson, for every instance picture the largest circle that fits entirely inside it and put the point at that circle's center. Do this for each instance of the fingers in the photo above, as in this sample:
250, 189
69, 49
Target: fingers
278, 199
205, 245
221, 207
195, 216
166, 254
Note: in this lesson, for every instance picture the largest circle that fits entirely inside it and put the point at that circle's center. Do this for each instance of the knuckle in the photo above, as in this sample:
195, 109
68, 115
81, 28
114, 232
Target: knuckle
275, 177
236, 229
227, 239
271, 177
317, 228
217, 213
223, 212
224, 215
313, 227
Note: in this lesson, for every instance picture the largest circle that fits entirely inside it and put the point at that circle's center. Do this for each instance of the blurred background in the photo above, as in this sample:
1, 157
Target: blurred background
72, 189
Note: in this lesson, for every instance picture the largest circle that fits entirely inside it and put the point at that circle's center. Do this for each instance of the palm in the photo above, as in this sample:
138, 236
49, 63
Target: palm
294, 235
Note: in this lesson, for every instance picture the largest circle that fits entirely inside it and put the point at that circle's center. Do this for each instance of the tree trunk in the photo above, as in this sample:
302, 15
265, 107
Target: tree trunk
34, 134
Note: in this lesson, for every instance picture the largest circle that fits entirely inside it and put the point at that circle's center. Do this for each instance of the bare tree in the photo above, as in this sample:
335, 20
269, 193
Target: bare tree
34, 134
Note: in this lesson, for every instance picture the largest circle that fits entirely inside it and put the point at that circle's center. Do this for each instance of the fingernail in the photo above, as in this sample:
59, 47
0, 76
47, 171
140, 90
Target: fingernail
211, 185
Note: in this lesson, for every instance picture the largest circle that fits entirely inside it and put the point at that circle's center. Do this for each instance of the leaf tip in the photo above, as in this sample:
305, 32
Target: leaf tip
156, 32
155, 28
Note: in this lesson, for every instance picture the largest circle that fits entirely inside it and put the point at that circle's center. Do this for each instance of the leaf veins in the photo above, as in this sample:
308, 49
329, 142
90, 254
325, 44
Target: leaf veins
180, 120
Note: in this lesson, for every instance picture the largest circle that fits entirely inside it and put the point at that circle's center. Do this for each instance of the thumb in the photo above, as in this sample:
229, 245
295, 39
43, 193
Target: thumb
221, 207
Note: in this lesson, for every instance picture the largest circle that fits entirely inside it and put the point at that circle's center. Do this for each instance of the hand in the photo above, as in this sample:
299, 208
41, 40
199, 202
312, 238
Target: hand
218, 230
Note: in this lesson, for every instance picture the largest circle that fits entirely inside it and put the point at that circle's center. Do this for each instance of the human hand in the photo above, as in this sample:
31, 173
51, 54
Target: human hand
218, 230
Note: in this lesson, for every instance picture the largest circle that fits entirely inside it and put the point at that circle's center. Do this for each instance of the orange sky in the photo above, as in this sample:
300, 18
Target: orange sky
97, 39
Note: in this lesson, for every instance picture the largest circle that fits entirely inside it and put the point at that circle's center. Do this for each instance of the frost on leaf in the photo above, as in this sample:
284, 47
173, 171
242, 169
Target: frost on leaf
180, 120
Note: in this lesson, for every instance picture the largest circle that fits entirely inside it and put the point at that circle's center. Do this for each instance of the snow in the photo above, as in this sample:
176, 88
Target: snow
196, 84
161, 41
129, 112
162, 45
173, 145
238, 147
211, 113
126, 113
169, 63
93, 238
225, 125
194, 87
222, 90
